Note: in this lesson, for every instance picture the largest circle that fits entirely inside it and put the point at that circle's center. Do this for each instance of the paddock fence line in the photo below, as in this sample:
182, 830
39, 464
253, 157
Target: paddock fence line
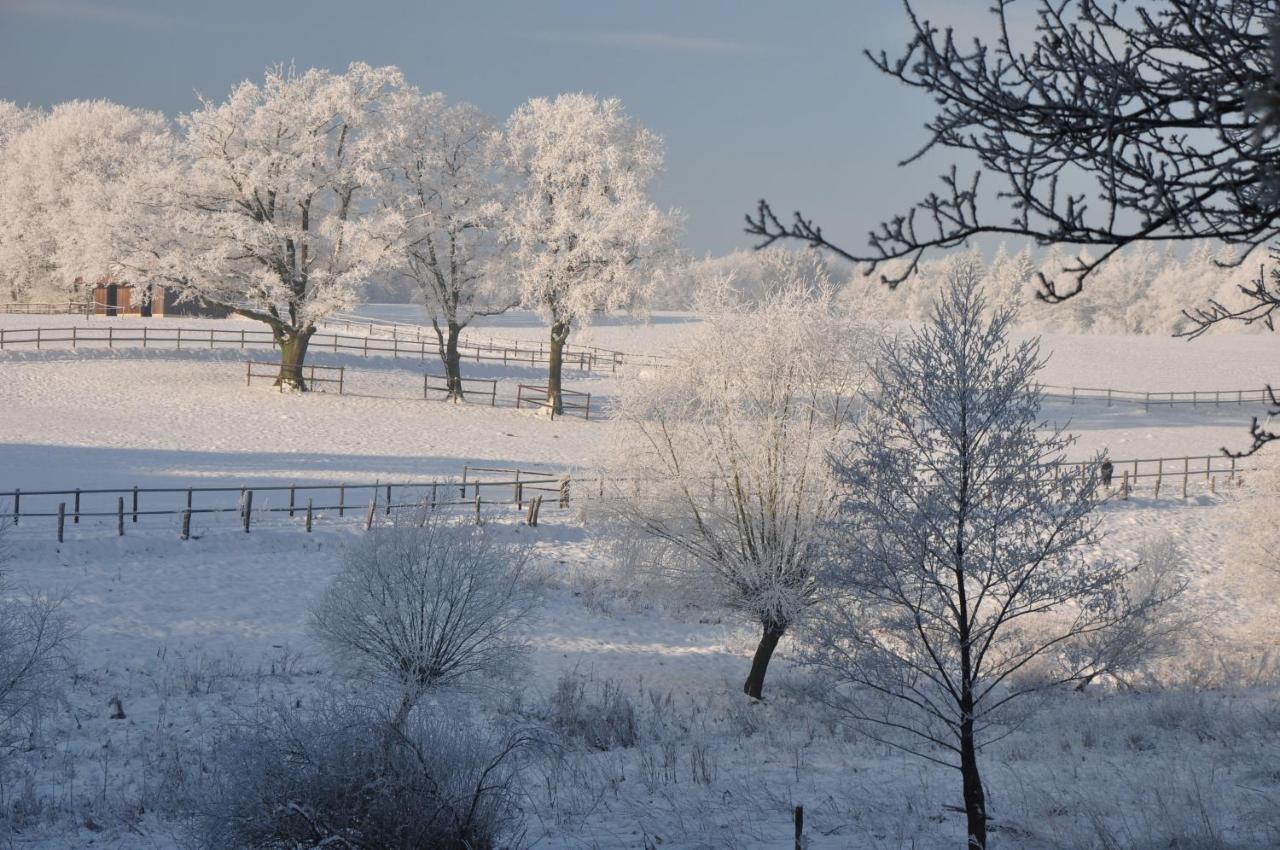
149, 336
32, 308
571, 402
1195, 398
255, 505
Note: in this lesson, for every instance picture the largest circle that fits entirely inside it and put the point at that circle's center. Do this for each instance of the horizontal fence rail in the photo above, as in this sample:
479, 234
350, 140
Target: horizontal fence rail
271, 370
440, 384
1195, 398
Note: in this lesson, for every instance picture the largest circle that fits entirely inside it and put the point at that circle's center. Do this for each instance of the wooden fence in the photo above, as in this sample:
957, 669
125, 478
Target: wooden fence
150, 336
252, 504
328, 374
440, 384
1195, 398
69, 308
571, 402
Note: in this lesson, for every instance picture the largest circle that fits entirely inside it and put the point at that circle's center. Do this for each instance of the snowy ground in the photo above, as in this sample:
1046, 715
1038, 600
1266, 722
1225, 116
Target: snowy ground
192, 633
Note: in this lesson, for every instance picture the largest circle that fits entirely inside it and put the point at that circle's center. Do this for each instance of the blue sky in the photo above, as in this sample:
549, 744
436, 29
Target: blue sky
752, 98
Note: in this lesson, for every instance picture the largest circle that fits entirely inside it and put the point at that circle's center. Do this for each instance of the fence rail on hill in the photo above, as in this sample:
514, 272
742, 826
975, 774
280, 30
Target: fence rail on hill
1195, 398
253, 504
151, 336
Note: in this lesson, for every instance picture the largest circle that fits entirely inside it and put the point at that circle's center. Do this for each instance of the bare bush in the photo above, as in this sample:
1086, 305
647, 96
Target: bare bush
427, 602
347, 778
35, 657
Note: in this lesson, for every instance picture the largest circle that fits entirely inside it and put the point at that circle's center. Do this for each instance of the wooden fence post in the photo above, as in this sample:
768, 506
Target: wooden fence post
433, 495
62, 518
1156, 494
342, 499
564, 492
248, 509
76, 517
477, 505
17, 504
308, 516
368, 517
388, 510
291, 495
135, 502
120, 516
799, 819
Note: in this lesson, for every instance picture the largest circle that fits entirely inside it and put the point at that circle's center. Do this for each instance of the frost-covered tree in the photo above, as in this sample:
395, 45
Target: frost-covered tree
721, 458
452, 201
279, 215
585, 228
963, 556
65, 185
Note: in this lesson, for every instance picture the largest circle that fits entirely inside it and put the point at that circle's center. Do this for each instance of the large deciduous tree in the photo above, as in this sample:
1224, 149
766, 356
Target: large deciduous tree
65, 188
582, 219
1168, 109
965, 560
279, 215
721, 458
452, 201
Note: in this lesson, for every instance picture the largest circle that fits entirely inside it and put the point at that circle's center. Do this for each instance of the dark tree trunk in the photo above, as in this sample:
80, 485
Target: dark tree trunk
453, 363
772, 633
559, 333
975, 803
293, 355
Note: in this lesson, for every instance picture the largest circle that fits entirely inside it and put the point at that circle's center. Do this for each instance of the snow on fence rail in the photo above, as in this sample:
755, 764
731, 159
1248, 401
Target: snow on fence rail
149, 336
1195, 398
252, 504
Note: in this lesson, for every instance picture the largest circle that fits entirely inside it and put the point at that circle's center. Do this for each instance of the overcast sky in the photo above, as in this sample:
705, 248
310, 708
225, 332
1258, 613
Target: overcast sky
752, 98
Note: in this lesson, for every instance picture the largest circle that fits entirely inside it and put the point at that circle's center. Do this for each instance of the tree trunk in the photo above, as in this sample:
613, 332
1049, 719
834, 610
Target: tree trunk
453, 363
293, 354
559, 333
760, 662
975, 803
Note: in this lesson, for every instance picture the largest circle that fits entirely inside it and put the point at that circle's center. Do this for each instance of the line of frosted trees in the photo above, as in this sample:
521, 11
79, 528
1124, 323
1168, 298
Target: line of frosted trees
284, 200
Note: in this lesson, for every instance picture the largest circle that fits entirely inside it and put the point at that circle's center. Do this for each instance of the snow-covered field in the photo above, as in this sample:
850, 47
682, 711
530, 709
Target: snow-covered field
189, 634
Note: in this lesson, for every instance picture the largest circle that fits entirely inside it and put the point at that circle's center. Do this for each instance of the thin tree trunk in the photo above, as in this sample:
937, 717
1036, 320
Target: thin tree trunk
559, 333
975, 803
293, 355
772, 633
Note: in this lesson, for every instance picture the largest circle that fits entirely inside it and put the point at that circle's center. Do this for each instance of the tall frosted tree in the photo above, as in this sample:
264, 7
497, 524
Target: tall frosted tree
586, 231
451, 200
721, 459
964, 554
279, 214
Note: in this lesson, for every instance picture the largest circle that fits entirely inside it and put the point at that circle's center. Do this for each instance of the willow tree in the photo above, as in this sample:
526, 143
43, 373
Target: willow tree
277, 216
585, 229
